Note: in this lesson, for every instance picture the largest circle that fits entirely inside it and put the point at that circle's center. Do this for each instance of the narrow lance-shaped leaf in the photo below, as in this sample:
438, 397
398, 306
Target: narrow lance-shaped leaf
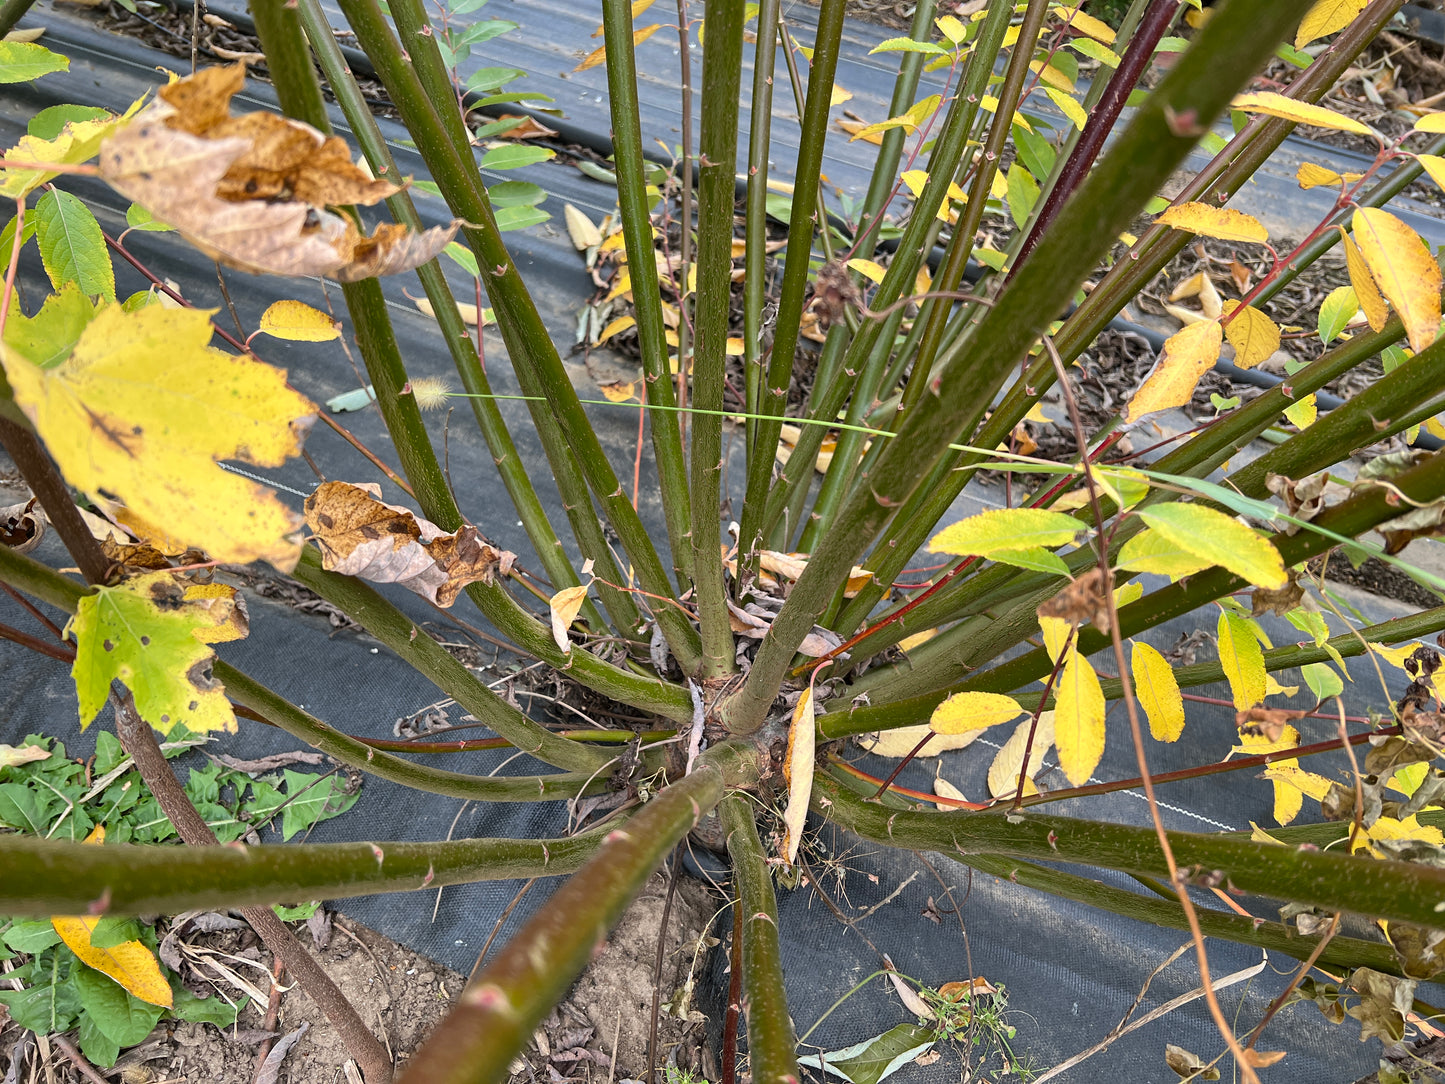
1079, 718
798, 770
1316, 116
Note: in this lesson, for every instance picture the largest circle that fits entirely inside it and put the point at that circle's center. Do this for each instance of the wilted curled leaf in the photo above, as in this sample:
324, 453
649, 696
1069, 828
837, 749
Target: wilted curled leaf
359, 535
252, 190
1271, 724
22, 526
1003, 773
798, 771
565, 605
10, 756
1188, 1064
152, 635
1081, 602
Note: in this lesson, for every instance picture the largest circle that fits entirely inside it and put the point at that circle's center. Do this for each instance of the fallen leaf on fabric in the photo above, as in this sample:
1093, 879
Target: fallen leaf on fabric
362, 536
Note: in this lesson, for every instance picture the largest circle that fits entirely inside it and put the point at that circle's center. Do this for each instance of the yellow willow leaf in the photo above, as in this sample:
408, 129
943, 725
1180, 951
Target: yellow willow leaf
1223, 223
1259, 835
962, 712
638, 7
1003, 773
1219, 539
1186, 357
1087, 24
622, 323
1055, 634
1395, 656
1366, 292
918, 639
1310, 176
1079, 719
143, 409
1253, 335
1325, 18
798, 771
599, 55
1255, 744
1190, 287
1068, 107
1403, 269
951, 28
1431, 123
1393, 828
299, 323
1242, 659
621, 392
903, 740
839, 95
621, 288
1288, 801
1309, 784
581, 229
856, 130
1277, 105
733, 347
565, 605
1150, 551
1127, 593
874, 272
130, 963
1052, 76
1407, 780
1158, 692
1303, 412
1004, 529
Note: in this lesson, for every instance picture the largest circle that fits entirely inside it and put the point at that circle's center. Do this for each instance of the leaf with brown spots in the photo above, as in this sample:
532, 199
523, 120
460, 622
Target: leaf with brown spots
252, 191
152, 633
362, 536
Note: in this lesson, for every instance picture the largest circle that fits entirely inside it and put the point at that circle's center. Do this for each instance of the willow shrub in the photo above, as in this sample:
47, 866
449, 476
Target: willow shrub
751, 649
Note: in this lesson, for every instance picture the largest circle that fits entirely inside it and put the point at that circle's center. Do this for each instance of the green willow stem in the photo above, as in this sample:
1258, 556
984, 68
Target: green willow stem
50, 877
717, 161
499, 1010
279, 711
398, 632
1397, 891
1219, 180
772, 1043
64, 593
948, 150
755, 255
801, 226
534, 355
454, 332
11, 12
1232, 44
646, 295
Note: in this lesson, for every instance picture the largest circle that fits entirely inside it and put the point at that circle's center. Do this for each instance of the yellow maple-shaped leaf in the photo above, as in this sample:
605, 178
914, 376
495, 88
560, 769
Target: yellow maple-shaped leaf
1366, 292
1078, 718
1186, 357
798, 772
1253, 335
299, 323
143, 409
1223, 223
130, 963
1325, 18
1403, 269
1316, 116
146, 633
1158, 692
963, 712
565, 605
1242, 659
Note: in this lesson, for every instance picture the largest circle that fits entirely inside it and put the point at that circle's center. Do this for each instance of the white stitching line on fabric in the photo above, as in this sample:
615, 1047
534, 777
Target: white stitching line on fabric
263, 481
1048, 766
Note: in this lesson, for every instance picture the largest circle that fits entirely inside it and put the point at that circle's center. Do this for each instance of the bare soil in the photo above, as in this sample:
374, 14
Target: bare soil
404, 995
